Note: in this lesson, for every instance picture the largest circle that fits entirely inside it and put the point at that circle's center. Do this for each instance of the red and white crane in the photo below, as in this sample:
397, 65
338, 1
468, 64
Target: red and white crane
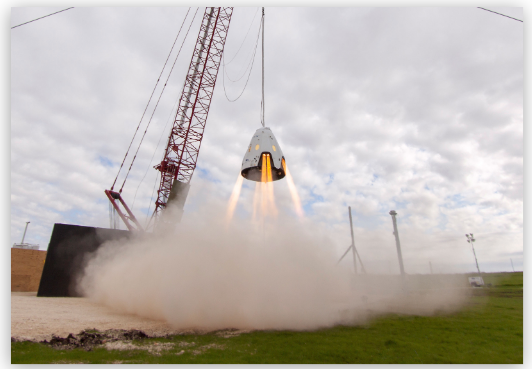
184, 141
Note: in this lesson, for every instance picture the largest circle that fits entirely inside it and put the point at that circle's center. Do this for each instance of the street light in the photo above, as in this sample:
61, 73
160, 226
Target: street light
393, 213
24, 235
471, 239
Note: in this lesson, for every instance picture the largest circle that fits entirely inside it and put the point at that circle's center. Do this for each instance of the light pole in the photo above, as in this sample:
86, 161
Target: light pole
353, 241
471, 239
393, 213
25, 229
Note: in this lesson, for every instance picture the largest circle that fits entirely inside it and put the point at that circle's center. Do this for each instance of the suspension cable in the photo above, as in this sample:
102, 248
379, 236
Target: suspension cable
146, 108
249, 29
245, 66
155, 151
157, 104
242, 71
252, 62
262, 102
151, 201
42, 17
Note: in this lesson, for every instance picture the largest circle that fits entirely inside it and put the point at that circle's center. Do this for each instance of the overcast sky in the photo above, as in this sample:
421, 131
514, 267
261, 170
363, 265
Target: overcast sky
416, 109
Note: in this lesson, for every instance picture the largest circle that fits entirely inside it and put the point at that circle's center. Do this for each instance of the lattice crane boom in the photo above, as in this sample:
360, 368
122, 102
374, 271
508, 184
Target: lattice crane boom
184, 142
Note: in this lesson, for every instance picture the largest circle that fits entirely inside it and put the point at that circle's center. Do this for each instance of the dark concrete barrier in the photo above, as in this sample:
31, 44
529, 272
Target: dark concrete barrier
68, 251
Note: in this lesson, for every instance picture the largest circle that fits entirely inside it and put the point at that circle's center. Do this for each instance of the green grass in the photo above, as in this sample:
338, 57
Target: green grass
488, 330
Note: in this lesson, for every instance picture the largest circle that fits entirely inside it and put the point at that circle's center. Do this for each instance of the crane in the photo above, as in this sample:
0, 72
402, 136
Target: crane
184, 142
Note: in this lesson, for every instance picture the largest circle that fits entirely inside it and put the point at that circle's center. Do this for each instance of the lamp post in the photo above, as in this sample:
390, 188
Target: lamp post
471, 239
25, 229
353, 241
393, 213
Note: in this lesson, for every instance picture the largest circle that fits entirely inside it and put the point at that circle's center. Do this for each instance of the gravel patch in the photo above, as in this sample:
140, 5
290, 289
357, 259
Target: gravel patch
76, 322
41, 318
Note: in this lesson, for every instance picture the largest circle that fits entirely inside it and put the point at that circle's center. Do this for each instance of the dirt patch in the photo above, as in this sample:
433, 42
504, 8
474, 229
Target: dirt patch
87, 340
122, 340
55, 321
41, 318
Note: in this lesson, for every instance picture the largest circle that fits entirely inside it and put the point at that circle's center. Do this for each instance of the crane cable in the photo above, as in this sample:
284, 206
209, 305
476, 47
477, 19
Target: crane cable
146, 108
244, 40
262, 102
157, 104
507, 16
154, 151
242, 70
42, 17
252, 62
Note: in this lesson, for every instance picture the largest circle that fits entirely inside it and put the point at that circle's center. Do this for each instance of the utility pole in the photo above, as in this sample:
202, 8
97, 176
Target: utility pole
430, 265
25, 229
393, 213
470, 240
512, 265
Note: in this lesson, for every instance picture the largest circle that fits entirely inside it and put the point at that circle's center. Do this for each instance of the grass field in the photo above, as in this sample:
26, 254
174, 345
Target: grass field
488, 330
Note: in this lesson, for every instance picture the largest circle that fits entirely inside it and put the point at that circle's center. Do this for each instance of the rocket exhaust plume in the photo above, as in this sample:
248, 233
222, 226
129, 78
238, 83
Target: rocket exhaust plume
264, 194
266, 188
215, 277
267, 272
293, 192
256, 199
263, 197
234, 198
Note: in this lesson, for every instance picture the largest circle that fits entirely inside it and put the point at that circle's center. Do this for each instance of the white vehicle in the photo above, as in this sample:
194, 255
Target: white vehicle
476, 281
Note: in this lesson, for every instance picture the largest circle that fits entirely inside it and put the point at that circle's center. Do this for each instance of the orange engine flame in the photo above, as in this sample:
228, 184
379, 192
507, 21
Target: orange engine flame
268, 169
263, 198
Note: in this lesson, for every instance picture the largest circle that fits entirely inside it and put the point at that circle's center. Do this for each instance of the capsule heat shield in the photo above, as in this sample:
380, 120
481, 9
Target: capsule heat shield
264, 160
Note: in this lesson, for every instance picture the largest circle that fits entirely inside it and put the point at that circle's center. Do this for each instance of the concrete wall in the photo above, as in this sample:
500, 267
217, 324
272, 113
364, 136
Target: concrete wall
70, 247
26, 269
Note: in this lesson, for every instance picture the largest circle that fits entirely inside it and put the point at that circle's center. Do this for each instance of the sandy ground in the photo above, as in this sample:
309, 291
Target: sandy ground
37, 318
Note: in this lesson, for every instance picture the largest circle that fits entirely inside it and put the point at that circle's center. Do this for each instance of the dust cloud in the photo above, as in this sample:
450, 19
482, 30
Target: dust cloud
273, 274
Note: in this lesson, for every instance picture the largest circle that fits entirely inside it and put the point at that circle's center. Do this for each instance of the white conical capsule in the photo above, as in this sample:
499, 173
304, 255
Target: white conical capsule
262, 150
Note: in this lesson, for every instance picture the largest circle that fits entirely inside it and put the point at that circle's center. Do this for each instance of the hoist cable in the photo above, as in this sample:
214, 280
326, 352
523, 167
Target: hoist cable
253, 60
262, 102
146, 108
245, 66
157, 104
500, 14
156, 148
151, 200
249, 29
42, 17
242, 71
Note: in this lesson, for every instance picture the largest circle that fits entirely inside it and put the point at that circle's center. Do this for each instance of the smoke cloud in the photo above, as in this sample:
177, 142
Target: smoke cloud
273, 274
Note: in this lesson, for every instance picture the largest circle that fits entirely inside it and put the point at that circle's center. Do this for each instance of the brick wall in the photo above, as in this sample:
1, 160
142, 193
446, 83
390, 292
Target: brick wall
26, 269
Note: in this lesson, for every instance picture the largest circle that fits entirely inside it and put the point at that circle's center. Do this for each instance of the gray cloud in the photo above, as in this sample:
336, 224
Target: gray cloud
417, 109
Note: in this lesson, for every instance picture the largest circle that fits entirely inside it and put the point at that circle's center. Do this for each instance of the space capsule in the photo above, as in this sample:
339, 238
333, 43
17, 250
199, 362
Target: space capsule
264, 160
